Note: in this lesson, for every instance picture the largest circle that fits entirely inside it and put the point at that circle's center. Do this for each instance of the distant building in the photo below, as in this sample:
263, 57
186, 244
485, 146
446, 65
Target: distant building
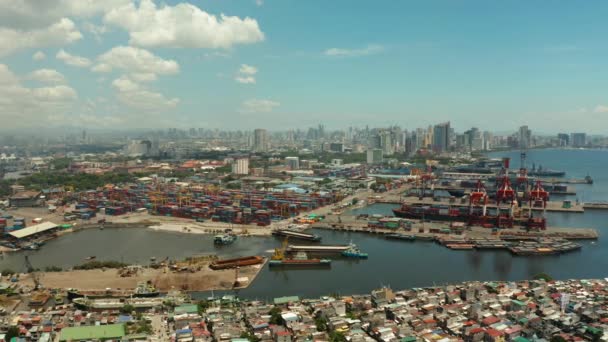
578, 139
563, 139
337, 162
240, 166
374, 156
25, 199
336, 147
260, 140
525, 137
441, 137
386, 143
292, 163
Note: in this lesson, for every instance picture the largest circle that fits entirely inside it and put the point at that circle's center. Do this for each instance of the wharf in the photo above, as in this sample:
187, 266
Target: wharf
551, 206
596, 205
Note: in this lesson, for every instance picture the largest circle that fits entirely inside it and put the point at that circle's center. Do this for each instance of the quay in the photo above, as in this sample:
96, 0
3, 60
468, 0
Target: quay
596, 205
551, 206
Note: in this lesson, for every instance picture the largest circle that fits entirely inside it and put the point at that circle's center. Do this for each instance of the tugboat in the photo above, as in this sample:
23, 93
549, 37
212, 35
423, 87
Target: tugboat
354, 252
224, 239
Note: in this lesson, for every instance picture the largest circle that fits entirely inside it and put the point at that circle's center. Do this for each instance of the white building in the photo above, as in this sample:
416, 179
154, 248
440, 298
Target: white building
374, 156
292, 163
240, 166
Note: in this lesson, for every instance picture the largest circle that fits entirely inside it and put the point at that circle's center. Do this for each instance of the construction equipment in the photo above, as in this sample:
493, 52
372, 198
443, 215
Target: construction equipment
279, 253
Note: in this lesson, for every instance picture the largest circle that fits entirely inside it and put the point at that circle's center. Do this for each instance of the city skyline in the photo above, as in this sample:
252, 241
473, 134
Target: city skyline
235, 65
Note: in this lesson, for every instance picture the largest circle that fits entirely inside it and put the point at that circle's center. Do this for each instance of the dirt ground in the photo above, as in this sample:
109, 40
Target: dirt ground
165, 280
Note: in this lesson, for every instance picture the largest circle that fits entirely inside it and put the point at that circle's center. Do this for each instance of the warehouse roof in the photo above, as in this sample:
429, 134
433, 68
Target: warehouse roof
110, 331
37, 228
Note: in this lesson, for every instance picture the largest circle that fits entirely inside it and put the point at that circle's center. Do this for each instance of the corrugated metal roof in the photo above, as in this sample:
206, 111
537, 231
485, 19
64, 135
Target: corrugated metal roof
38, 228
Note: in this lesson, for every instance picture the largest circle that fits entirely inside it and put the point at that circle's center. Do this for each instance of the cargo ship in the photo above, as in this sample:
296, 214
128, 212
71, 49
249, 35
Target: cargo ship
299, 259
472, 216
117, 303
236, 262
143, 290
403, 237
296, 235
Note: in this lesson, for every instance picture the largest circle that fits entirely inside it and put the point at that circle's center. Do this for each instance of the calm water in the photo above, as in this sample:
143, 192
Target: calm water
395, 263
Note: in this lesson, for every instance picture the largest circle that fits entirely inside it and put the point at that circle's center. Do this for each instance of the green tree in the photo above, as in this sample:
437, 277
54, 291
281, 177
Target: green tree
127, 309
202, 306
544, 276
557, 338
321, 323
336, 336
250, 336
355, 201
275, 316
8, 272
13, 331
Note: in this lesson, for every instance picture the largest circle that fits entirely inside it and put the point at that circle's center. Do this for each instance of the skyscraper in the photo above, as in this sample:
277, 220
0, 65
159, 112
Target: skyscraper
441, 137
525, 137
578, 139
260, 140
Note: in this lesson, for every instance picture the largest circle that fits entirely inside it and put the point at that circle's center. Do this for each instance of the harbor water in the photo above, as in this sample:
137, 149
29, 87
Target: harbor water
398, 264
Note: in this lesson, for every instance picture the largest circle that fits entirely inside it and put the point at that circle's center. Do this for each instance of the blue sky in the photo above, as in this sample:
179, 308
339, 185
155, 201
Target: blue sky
495, 65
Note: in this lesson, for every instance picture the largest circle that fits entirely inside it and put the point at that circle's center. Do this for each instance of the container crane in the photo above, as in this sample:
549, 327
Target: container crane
538, 196
505, 193
478, 197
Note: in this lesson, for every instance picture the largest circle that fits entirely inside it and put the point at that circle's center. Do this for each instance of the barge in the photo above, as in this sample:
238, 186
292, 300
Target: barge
236, 262
296, 235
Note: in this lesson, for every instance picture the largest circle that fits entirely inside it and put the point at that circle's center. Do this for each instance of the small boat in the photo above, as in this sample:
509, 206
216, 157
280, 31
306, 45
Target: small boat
225, 239
354, 252
92, 257
145, 289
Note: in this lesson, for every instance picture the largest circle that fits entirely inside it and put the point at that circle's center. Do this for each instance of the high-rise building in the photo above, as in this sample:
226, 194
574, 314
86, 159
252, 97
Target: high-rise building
260, 140
525, 137
578, 139
374, 156
240, 166
292, 163
563, 139
441, 137
386, 143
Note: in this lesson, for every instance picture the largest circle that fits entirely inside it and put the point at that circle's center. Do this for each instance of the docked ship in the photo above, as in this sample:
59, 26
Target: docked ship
299, 259
296, 235
403, 237
117, 303
224, 239
143, 290
542, 172
354, 252
471, 216
236, 262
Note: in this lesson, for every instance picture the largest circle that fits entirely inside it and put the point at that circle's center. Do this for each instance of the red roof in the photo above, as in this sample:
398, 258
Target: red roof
491, 320
494, 332
477, 330
469, 323
284, 333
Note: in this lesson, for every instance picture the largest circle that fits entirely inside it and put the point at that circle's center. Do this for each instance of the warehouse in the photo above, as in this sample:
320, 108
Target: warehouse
33, 231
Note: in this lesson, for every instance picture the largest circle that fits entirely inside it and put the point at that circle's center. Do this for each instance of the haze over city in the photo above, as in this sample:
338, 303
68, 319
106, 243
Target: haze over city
125, 64
299, 171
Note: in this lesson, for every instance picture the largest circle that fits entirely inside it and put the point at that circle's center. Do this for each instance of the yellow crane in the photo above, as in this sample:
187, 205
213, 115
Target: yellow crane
279, 253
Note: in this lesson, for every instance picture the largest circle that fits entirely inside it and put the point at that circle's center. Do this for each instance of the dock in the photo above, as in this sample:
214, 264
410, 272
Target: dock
551, 206
596, 205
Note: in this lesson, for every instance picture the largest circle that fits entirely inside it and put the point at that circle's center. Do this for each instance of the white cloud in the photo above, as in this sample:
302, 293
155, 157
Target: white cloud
61, 33
38, 56
246, 73
369, 50
134, 95
143, 77
245, 79
73, 60
248, 69
601, 109
23, 106
259, 2
96, 30
182, 26
258, 106
135, 60
47, 76
28, 14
